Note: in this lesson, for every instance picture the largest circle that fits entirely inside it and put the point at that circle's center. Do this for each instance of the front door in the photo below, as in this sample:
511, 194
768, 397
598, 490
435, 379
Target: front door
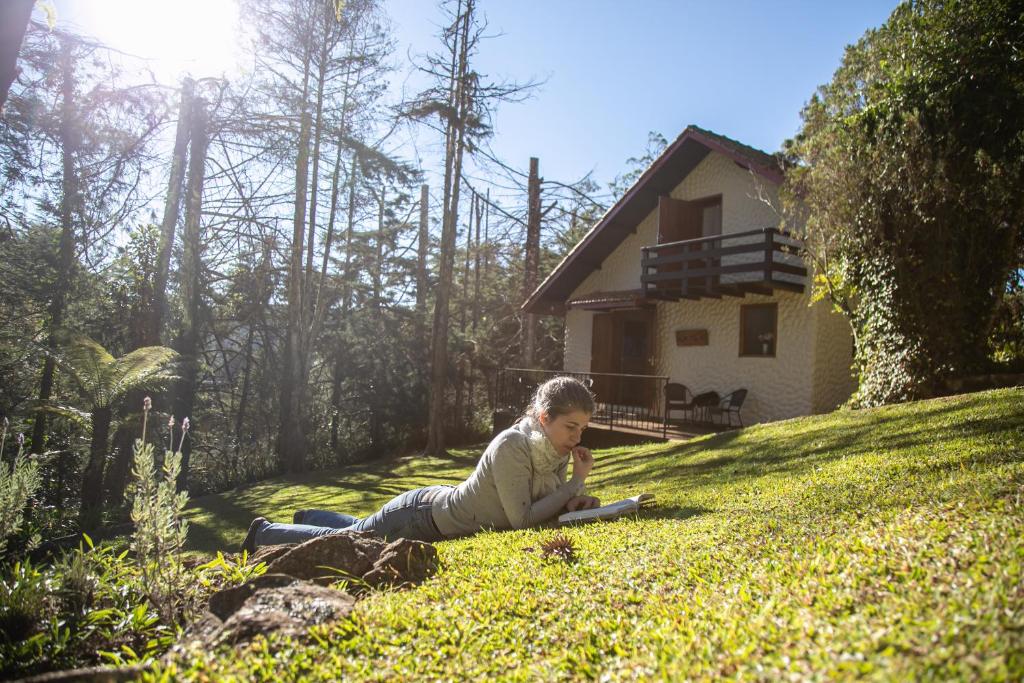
623, 344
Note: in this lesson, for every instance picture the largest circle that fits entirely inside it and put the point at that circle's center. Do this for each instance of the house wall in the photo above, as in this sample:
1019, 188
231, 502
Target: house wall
834, 379
810, 372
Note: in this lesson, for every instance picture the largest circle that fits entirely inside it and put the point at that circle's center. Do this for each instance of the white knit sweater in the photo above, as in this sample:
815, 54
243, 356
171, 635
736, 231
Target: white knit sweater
519, 482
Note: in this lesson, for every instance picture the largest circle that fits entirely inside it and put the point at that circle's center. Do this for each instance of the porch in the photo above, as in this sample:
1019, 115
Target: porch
631, 405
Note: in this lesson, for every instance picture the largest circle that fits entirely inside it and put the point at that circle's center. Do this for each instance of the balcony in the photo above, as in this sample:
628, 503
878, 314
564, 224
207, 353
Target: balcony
735, 264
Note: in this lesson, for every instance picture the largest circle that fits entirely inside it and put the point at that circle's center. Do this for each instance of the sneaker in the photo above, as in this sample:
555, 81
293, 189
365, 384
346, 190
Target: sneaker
249, 544
298, 517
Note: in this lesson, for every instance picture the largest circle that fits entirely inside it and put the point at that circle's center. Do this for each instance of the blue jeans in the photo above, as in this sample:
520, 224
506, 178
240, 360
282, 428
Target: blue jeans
408, 515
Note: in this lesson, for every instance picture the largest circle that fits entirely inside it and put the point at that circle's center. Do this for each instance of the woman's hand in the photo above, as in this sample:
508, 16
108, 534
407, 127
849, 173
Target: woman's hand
582, 462
582, 503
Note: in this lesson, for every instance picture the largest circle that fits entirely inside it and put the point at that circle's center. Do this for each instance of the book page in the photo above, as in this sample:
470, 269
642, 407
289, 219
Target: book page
609, 511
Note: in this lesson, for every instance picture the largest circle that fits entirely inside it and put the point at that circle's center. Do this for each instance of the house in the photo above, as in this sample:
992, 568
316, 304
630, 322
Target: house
687, 279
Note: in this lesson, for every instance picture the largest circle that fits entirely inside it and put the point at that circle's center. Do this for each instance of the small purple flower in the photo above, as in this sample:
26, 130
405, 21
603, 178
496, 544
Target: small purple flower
184, 431
170, 422
21, 440
147, 404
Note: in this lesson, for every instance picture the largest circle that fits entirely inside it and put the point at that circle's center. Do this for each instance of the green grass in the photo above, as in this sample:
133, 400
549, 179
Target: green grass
882, 544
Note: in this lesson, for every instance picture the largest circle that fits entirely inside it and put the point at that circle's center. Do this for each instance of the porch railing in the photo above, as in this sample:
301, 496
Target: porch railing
755, 261
624, 401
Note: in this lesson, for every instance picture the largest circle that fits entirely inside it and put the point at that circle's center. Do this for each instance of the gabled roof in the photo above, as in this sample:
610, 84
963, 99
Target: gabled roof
660, 178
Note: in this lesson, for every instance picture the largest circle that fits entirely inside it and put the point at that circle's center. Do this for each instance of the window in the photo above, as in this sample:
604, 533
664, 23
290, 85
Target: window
758, 329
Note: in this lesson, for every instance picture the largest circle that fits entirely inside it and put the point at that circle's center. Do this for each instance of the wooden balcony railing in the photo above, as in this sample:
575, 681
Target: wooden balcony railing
755, 261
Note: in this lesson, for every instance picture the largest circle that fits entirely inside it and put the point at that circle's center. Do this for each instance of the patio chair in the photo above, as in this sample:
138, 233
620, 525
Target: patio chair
729, 406
678, 397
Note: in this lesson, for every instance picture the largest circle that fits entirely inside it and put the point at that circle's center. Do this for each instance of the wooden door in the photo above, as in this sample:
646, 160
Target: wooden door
677, 220
636, 356
710, 210
603, 357
623, 343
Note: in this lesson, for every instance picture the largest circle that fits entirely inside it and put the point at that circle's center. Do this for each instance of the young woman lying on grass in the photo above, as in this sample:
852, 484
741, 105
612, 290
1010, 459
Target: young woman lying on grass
520, 481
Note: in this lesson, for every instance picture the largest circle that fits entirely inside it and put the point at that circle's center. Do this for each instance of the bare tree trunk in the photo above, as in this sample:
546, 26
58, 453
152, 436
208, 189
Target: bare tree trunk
491, 388
115, 479
191, 283
350, 227
532, 262
91, 510
454, 147
376, 416
421, 265
337, 372
69, 138
172, 207
315, 175
319, 309
14, 18
476, 308
461, 370
243, 400
378, 265
291, 439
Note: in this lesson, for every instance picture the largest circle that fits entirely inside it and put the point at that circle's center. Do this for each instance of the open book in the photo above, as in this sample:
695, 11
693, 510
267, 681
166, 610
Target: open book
610, 511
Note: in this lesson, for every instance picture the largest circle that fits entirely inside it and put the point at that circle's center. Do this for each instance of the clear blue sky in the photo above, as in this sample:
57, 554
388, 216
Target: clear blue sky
615, 70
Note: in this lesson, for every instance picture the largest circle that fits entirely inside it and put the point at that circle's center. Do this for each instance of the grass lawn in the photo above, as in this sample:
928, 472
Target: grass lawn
884, 544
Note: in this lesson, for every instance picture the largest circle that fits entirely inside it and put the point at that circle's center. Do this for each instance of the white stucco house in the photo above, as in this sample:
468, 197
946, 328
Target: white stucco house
687, 280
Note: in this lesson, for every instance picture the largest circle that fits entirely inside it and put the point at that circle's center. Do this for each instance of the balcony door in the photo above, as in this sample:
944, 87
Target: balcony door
679, 220
623, 343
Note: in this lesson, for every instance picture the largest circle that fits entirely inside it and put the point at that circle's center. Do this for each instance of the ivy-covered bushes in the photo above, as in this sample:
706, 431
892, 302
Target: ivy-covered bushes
907, 181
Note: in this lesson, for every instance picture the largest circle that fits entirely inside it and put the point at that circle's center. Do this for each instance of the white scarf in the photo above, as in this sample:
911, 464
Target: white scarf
548, 466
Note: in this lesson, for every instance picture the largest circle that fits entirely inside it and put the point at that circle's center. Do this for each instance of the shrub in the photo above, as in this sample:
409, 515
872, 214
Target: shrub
100, 604
17, 486
87, 608
160, 532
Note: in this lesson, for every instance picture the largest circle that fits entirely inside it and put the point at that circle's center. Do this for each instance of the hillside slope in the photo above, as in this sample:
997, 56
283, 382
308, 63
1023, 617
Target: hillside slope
886, 543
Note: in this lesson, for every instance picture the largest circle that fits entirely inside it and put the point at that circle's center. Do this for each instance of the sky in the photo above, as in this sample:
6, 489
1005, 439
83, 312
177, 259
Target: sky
614, 70
610, 71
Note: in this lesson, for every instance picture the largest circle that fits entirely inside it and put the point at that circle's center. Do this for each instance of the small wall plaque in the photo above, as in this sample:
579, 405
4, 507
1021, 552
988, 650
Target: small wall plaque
691, 337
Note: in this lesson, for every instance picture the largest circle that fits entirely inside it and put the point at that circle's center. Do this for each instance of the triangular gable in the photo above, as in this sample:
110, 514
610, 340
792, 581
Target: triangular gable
622, 219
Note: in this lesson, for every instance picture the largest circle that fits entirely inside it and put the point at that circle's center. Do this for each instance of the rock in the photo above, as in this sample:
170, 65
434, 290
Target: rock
272, 603
292, 595
288, 610
200, 631
269, 553
226, 602
326, 559
403, 562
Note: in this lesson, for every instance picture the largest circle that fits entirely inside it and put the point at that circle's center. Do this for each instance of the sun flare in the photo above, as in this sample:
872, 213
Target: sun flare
198, 37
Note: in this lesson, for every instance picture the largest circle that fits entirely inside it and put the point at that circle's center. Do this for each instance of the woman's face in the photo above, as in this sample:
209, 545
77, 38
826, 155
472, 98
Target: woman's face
565, 431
